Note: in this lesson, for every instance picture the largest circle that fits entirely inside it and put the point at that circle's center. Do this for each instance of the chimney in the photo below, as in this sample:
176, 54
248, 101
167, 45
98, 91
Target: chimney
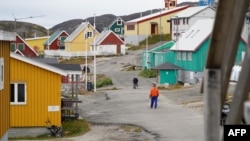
170, 4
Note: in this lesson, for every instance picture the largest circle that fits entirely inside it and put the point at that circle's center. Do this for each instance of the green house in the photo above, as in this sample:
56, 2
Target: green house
117, 26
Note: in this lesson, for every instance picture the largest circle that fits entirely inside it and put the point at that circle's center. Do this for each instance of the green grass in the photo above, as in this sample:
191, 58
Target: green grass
75, 128
151, 40
148, 73
101, 82
71, 128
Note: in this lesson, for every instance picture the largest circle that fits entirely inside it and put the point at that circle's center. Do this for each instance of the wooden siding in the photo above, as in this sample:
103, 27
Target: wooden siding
111, 40
199, 57
168, 76
37, 42
5, 93
42, 90
55, 44
144, 27
28, 52
79, 43
121, 27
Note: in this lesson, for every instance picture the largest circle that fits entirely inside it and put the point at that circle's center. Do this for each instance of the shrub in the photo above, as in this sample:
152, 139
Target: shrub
148, 73
103, 82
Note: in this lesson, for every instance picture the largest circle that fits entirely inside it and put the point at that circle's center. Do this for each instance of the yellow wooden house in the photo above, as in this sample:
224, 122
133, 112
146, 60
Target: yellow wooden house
37, 43
35, 92
5, 38
157, 23
81, 38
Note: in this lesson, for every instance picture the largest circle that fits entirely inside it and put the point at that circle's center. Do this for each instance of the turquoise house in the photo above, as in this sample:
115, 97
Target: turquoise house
191, 50
156, 56
188, 55
167, 73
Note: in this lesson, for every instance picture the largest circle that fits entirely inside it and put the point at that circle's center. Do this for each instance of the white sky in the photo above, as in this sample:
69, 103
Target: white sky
48, 13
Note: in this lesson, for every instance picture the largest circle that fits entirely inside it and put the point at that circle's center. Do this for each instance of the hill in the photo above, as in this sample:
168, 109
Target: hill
29, 30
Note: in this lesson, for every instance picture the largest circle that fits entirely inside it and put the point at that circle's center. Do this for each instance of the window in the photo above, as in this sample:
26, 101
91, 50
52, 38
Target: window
190, 56
119, 22
18, 93
20, 46
176, 21
1, 73
12, 46
61, 41
117, 30
178, 55
88, 34
184, 56
130, 27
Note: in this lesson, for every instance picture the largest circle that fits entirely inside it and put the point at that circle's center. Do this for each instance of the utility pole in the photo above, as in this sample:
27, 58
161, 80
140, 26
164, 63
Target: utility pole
17, 19
94, 57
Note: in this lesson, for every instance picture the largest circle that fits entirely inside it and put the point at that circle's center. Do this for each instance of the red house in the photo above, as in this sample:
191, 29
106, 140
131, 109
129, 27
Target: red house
19, 46
109, 43
56, 41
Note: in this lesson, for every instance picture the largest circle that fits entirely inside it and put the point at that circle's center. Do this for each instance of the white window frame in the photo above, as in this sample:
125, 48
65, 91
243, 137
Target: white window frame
1, 73
117, 29
119, 22
190, 56
15, 102
178, 55
184, 56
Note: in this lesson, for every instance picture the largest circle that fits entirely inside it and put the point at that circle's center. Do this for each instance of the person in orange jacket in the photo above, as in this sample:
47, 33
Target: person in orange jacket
153, 95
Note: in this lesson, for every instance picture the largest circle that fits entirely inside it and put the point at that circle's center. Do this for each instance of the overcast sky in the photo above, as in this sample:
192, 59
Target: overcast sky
48, 13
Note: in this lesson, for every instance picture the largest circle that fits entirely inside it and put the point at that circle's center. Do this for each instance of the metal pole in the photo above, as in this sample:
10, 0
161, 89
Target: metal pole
86, 58
147, 45
94, 58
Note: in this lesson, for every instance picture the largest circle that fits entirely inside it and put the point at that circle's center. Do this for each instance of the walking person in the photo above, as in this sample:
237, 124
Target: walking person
135, 82
153, 95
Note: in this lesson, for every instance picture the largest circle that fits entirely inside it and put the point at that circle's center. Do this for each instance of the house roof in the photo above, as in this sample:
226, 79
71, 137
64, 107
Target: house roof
70, 68
27, 45
38, 64
166, 45
36, 38
47, 60
194, 36
53, 37
115, 21
7, 36
157, 14
190, 11
166, 66
78, 30
103, 35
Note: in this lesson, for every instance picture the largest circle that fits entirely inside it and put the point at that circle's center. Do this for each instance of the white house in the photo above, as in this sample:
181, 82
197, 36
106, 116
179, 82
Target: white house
183, 20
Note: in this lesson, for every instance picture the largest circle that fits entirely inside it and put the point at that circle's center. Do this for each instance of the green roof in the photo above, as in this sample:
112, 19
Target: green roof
164, 46
52, 37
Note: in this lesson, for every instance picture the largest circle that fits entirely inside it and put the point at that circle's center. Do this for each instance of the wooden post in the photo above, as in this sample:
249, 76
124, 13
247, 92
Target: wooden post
212, 103
241, 92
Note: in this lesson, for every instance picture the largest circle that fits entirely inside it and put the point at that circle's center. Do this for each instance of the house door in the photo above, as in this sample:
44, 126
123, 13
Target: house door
118, 49
153, 29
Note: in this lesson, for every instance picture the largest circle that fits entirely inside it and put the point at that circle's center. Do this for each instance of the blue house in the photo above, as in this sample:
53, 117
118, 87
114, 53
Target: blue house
206, 2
